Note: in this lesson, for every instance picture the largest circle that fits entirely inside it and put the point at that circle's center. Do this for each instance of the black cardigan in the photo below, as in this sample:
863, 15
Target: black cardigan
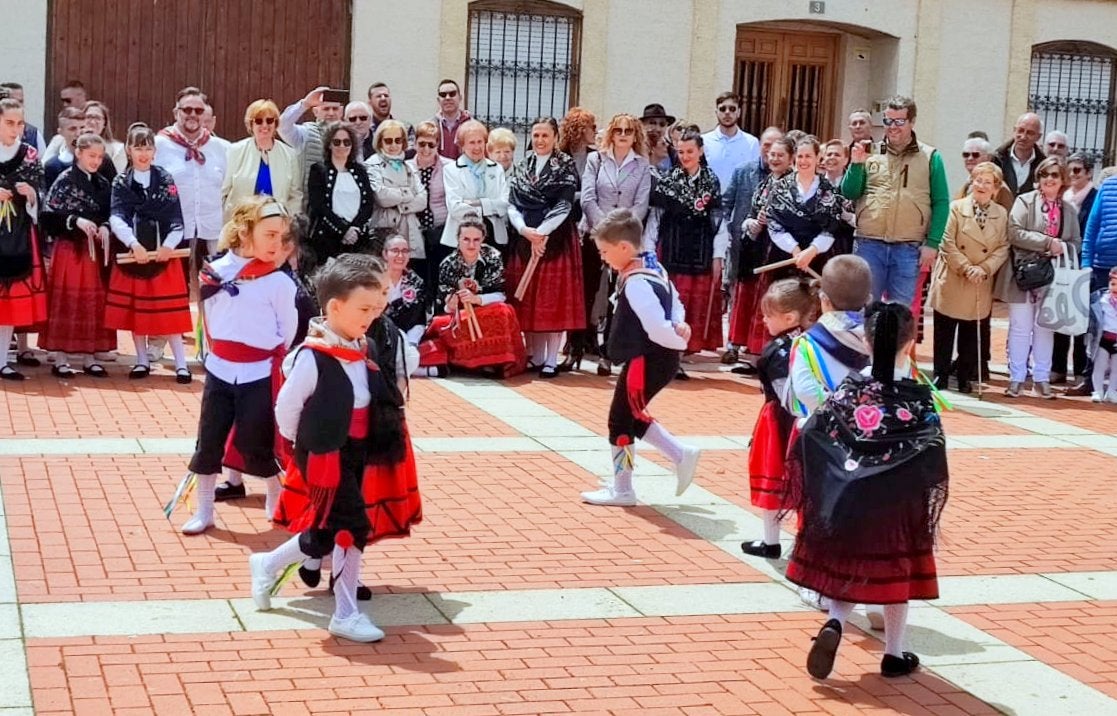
326, 227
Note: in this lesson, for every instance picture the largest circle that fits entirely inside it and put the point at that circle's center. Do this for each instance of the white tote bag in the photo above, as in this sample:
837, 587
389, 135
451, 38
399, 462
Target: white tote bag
1065, 307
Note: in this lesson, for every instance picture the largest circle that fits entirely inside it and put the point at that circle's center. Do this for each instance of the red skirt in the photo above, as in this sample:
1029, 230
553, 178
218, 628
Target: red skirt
695, 293
758, 333
767, 455
554, 299
746, 301
76, 305
501, 343
391, 496
156, 306
894, 565
23, 302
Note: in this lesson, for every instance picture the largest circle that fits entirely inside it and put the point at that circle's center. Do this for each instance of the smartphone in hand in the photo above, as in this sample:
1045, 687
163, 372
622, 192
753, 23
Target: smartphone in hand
340, 96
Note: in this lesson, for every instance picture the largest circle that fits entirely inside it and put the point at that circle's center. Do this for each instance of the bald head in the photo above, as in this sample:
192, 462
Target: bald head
1026, 134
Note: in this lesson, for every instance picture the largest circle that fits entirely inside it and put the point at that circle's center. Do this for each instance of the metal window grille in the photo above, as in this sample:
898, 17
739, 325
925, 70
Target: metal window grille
523, 63
1072, 89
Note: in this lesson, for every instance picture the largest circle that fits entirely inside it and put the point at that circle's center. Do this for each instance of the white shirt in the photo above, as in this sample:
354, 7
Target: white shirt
724, 154
1022, 169
123, 230
261, 315
645, 304
302, 380
199, 185
1108, 323
346, 200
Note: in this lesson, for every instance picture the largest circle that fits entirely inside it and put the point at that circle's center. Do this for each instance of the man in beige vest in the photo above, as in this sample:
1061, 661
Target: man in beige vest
902, 203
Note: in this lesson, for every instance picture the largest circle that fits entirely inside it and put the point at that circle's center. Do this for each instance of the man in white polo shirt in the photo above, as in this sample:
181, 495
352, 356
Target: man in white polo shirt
727, 146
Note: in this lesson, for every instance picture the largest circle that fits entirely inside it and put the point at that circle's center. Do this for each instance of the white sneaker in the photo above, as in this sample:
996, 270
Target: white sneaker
1096, 397
813, 599
261, 580
606, 496
198, 524
1111, 397
686, 468
356, 628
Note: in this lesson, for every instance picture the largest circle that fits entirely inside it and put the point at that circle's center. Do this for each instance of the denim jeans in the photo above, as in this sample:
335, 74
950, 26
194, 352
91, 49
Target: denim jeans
895, 268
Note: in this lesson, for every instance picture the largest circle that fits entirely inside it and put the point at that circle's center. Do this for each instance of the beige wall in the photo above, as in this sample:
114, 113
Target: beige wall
23, 58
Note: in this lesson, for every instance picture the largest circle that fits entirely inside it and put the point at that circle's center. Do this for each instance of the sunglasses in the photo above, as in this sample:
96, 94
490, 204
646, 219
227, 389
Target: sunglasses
971, 155
341, 143
894, 121
448, 95
727, 108
193, 110
1049, 175
624, 131
425, 145
357, 118
264, 120
1077, 170
392, 140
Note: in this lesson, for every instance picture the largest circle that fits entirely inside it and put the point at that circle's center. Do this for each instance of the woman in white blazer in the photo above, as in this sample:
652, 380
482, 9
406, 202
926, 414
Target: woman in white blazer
260, 164
476, 185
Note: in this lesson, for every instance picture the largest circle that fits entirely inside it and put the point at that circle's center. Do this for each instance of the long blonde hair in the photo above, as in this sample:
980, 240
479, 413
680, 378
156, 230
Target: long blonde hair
247, 214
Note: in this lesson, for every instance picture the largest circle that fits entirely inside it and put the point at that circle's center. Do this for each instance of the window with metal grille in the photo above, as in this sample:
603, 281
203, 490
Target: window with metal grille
523, 63
1072, 89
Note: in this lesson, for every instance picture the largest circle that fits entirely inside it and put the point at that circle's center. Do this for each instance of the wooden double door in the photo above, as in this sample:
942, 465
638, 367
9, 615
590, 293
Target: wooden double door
786, 79
134, 55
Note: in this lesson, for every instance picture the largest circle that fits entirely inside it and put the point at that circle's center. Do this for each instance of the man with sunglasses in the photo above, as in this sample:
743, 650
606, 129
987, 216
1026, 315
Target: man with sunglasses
903, 202
450, 116
727, 146
306, 138
1019, 156
1057, 144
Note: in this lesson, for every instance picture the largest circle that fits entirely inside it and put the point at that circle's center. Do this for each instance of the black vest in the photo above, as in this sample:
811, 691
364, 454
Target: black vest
627, 338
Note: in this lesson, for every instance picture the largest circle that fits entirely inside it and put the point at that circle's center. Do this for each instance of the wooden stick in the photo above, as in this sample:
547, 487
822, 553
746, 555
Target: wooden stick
774, 266
475, 322
709, 311
130, 258
529, 272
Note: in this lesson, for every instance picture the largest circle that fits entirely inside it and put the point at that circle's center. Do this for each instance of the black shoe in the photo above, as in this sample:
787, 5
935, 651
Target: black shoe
364, 594
730, 356
547, 372
820, 660
744, 369
310, 577
681, 375
139, 372
228, 491
95, 370
604, 367
893, 666
964, 386
1058, 378
9, 373
183, 376
942, 382
758, 548
27, 358
63, 371
572, 362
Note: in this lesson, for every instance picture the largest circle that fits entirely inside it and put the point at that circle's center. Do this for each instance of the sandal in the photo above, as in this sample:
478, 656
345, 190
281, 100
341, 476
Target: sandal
139, 372
9, 373
95, 370
63, 370
28, 359
183, 376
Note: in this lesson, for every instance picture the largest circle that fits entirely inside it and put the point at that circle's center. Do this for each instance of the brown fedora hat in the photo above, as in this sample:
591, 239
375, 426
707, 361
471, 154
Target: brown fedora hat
656, 111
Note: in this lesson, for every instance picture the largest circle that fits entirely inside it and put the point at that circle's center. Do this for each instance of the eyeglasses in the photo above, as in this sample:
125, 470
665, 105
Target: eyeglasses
1076, 170
624, 131
727, 108
393, 140
357, 118
398, 252
425, 144
1050, 175
341, 143
971, 155
262, 120
894, 121
448, 95
193, 110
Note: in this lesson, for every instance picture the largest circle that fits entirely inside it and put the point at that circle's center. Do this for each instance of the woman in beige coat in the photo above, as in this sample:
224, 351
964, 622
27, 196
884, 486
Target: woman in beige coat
400, 194
261, 164
974, 246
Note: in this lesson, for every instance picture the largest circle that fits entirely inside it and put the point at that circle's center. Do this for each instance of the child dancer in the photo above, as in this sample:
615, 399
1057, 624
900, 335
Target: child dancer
872, 468
648, 336
351, 479
23, 298
248, 310
148, 297
1104, 332
789, 306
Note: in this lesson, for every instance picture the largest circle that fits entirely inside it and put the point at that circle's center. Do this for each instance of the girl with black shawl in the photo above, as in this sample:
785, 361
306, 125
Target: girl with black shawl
868, 475
540, 202
23, 298
148, 296
691, 241
76, 214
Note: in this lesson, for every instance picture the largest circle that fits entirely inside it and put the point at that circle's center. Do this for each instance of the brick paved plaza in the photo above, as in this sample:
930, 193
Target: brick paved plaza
512, 597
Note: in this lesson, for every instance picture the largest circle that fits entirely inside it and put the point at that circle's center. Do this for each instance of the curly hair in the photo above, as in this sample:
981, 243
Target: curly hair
577, 122
624, 121
246, 215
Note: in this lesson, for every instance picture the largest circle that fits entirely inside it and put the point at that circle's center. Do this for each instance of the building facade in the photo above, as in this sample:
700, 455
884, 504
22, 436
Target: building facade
970, 65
